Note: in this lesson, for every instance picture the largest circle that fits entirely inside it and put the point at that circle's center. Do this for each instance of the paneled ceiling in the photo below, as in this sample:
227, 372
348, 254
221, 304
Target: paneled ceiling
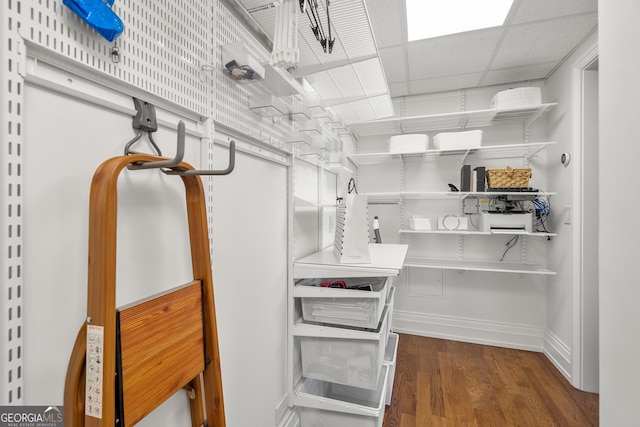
535, 39
372, 61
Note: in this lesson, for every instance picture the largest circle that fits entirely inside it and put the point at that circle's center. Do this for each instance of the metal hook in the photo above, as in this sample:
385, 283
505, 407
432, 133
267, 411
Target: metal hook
227, 171
170, 163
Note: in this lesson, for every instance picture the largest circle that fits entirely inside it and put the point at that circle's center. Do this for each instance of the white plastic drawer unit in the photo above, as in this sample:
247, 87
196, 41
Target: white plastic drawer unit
346, 356
390, 356
324, 404
345, 307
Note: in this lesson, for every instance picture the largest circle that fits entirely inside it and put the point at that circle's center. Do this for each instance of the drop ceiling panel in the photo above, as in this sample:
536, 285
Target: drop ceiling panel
324, 85
371, 76
535, 10
394, 63
382, 105
388, 22
345, 112
364, 111
347, 82
468, 52
518, 74
542, 41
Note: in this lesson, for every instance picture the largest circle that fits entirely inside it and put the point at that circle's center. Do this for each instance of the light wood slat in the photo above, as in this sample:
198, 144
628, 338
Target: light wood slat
162, 349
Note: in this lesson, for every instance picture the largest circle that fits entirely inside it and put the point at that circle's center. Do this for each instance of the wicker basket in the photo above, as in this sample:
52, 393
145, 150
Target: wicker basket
508, 177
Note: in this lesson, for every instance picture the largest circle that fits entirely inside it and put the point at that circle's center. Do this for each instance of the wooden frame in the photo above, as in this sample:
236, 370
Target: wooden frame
101, 309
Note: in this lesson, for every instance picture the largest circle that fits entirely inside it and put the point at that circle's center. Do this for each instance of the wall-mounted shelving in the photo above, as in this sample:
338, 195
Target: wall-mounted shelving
472, 265
526, 150
459, 120
399, 197
478, 233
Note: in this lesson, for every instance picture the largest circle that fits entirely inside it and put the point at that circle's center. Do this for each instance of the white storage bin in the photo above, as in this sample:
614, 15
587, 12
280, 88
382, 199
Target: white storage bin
458, 140
410, 143
518, 97
323, 404
348, 307
346, 356
417, 222
390, 356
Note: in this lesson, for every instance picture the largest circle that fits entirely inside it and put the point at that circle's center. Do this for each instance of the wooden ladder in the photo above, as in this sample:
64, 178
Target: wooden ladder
126, 362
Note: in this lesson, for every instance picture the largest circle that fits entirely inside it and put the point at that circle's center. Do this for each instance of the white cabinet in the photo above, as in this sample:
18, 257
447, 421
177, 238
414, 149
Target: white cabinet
454, 255
343, 377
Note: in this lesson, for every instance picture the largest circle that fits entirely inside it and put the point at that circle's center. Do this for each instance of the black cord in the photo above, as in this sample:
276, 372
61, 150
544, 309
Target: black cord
511, 243
351, 187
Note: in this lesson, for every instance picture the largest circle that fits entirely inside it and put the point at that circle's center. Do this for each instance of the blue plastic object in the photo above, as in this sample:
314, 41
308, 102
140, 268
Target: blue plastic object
98, 15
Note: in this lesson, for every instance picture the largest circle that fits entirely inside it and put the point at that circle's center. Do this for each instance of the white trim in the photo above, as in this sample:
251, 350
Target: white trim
501, 334
559, 354
292, 419
41, 73
577, 147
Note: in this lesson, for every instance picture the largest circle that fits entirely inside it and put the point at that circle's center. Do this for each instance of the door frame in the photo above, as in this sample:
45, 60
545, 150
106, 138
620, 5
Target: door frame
579, 68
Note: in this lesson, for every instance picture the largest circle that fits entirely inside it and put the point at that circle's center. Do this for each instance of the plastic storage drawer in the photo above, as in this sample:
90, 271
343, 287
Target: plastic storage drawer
390, 355
345, 307
323, 404
341, 355
390, 303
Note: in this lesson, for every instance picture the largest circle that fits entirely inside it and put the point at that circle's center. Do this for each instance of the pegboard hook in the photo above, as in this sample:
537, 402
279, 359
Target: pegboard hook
172, 166
170, 163
144, 121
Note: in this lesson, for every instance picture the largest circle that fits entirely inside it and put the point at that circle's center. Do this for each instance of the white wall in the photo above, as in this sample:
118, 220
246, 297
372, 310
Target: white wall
619, 291
61, 154
250, 280
501, 309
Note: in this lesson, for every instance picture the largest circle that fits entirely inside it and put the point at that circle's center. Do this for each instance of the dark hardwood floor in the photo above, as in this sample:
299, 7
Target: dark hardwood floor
449, 383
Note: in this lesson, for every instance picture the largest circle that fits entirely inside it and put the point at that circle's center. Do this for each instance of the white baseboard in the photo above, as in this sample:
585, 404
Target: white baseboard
522, 337
559, 354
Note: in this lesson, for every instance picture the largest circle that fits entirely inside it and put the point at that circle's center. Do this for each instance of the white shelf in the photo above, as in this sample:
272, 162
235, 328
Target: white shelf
527, 150
478, 233
400, 196
489, 266
459, 120
386, 260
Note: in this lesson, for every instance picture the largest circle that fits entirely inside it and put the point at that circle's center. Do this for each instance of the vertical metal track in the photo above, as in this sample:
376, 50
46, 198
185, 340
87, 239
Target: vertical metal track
11, 190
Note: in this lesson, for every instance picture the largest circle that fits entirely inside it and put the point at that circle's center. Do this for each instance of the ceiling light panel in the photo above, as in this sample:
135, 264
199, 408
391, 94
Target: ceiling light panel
371, 76
324, 85
347, 81
430, 18
382, 106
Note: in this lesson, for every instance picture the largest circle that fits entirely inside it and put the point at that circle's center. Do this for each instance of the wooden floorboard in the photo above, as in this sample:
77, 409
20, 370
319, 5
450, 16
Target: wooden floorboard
450, 383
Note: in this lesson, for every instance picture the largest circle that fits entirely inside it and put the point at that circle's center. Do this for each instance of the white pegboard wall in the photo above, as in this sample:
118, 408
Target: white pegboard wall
232, 99
11, 230
161, 51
